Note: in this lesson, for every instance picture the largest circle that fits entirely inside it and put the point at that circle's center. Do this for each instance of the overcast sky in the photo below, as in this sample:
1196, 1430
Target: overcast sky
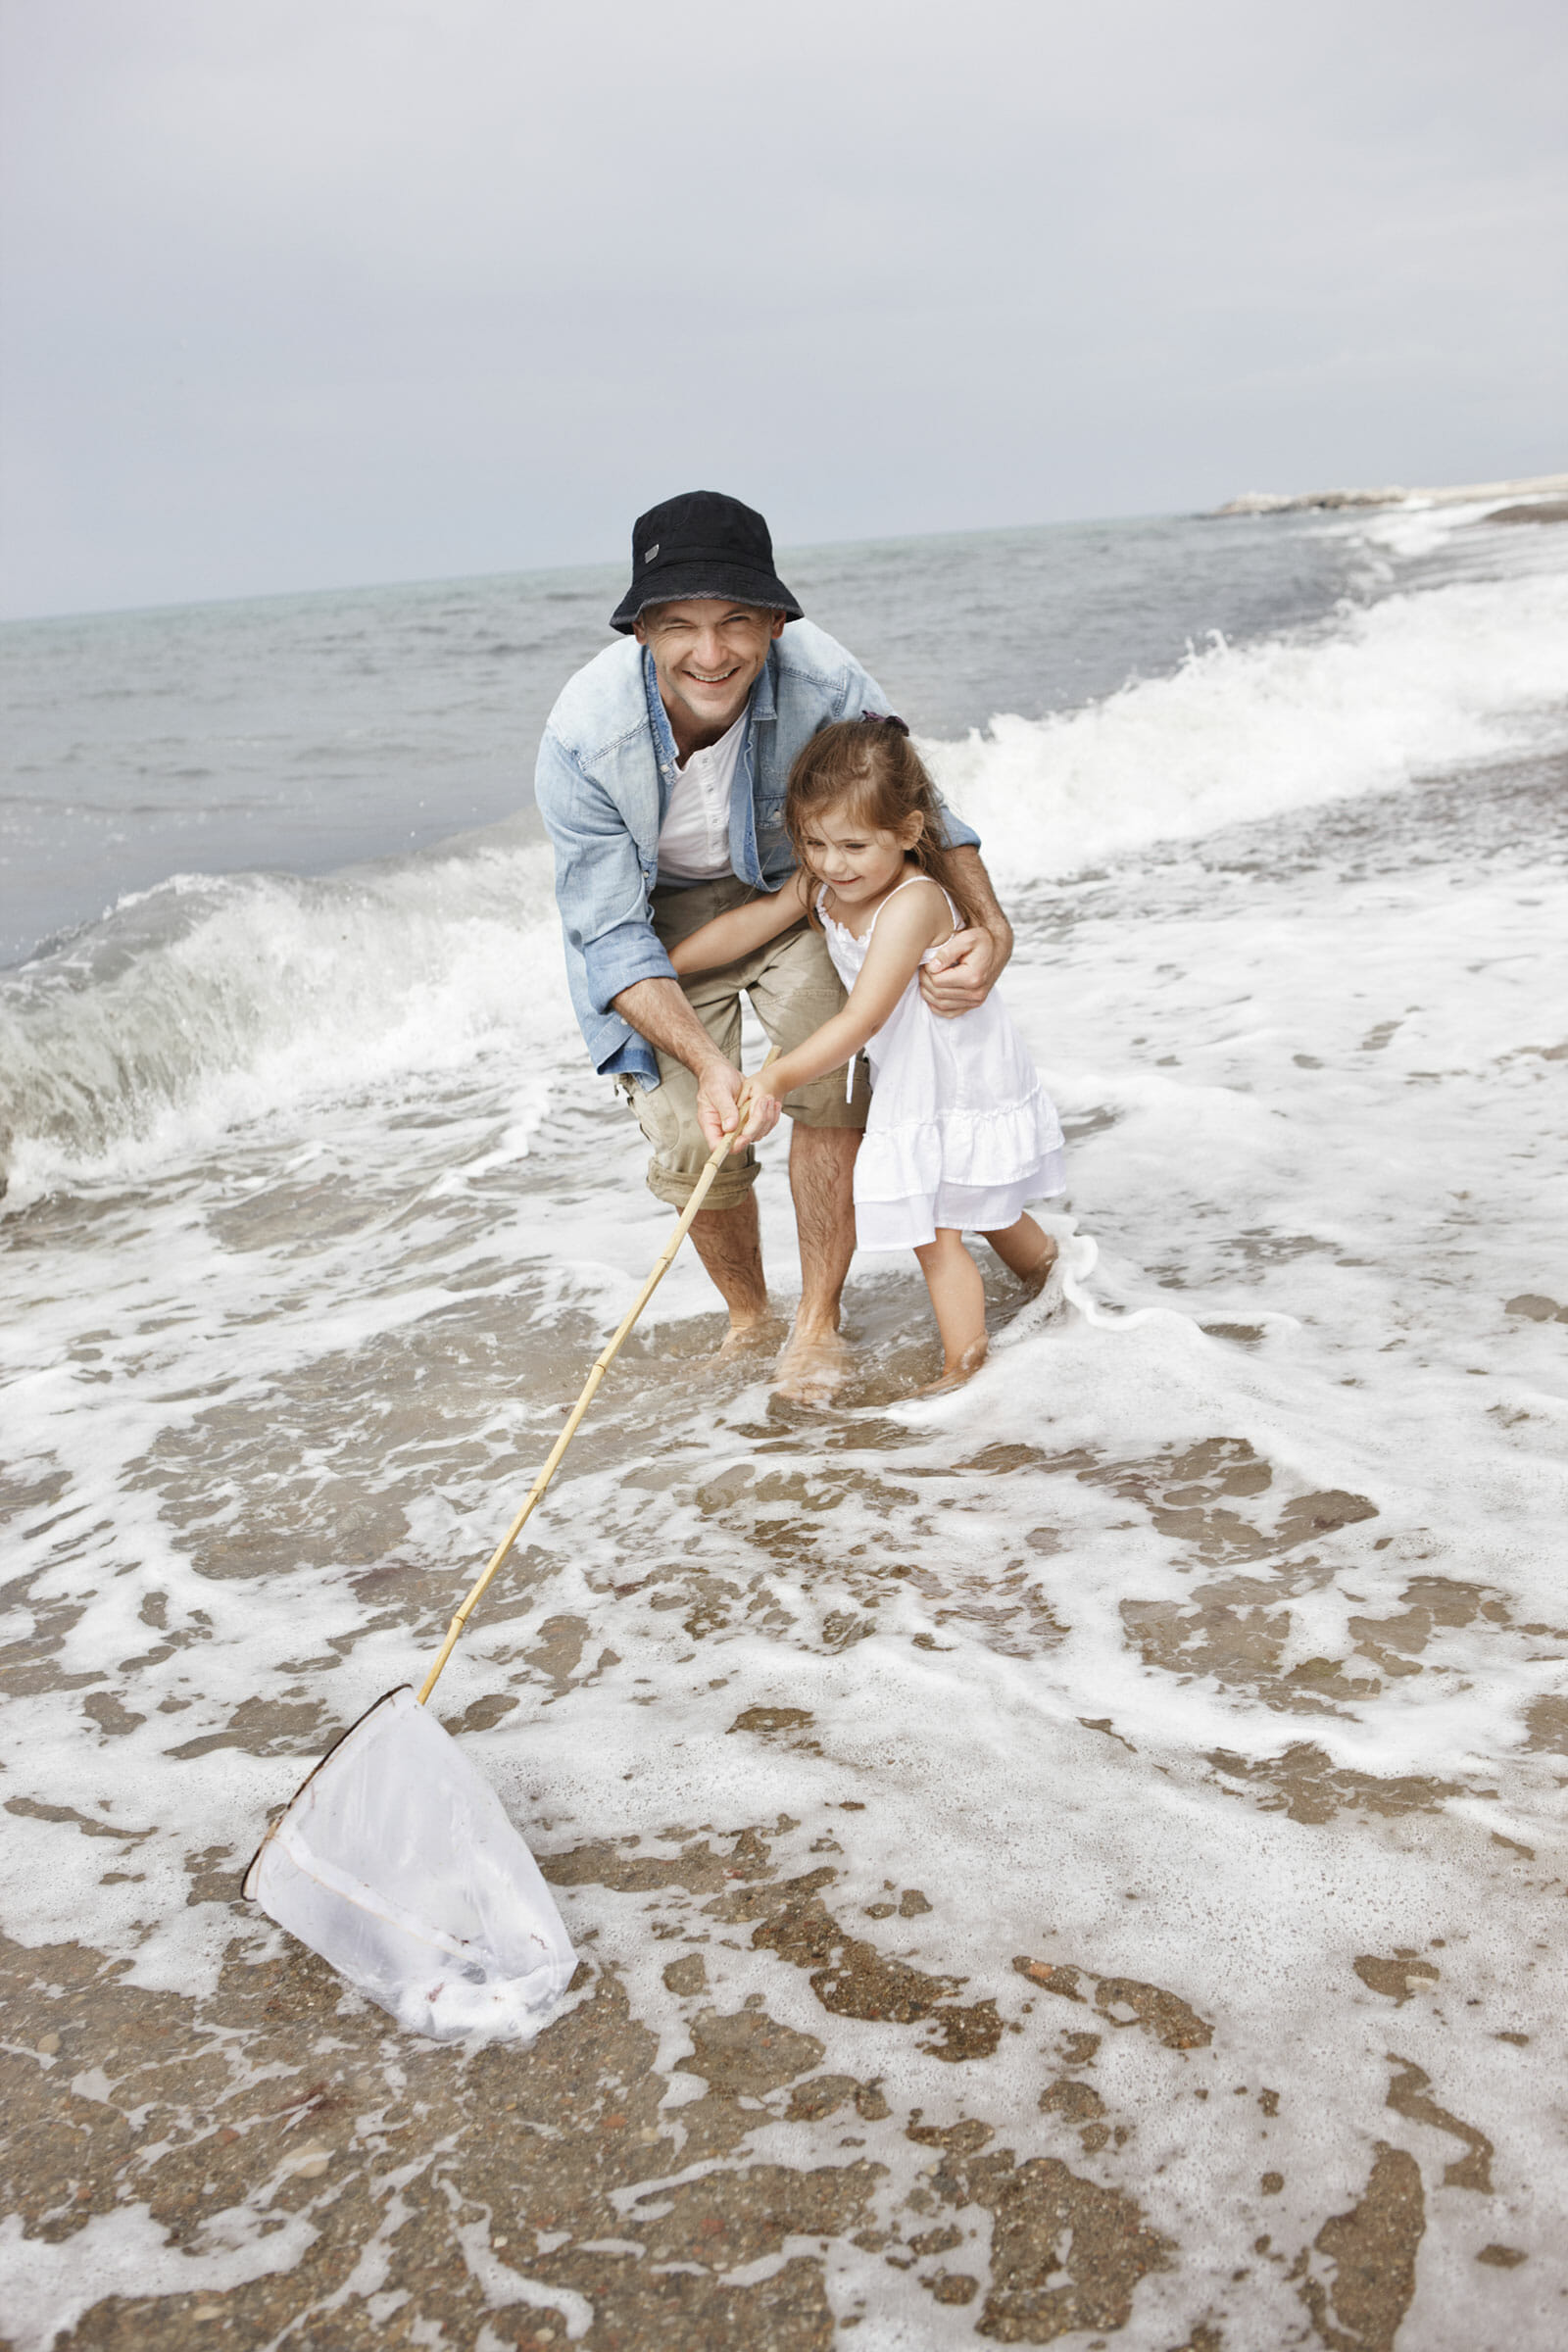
317, 292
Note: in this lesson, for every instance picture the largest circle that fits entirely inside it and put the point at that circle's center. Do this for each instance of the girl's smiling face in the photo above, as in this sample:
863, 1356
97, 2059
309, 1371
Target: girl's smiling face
858, 861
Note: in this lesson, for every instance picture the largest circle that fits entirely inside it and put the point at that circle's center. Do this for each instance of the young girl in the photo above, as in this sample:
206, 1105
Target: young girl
961, 1133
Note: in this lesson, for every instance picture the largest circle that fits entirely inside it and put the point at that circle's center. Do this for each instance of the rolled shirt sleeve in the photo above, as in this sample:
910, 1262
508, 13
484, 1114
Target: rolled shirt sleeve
601, 892
627, 952
956, 832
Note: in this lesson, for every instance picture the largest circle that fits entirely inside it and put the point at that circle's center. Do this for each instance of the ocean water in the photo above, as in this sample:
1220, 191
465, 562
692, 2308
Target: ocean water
1082, 1857
306, 733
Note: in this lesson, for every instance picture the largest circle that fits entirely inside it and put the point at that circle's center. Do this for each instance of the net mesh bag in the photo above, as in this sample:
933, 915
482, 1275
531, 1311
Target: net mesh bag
396, 1863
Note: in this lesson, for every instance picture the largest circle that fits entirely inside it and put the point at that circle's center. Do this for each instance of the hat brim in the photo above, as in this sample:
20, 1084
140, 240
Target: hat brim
727, 582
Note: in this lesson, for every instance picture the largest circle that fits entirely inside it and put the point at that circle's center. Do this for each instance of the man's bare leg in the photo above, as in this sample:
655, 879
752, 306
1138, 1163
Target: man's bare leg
822, 1183
730, 1243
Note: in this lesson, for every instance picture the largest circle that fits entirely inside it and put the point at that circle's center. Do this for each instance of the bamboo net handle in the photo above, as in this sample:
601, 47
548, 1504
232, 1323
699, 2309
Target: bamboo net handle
602, 1363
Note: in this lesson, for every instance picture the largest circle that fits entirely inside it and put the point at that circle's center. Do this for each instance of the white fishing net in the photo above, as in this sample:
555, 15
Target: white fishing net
397, 1864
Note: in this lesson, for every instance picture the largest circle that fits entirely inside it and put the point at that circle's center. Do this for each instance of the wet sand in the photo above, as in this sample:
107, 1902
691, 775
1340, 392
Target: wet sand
1007, 1916
328, 2183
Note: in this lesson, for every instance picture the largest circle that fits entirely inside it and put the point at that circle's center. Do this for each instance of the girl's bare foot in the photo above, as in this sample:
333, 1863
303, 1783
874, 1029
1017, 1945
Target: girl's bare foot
1027, 1252
1032, 1279
954, 1376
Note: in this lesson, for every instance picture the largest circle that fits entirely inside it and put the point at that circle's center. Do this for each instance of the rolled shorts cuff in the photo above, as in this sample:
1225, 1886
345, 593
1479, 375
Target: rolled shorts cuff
674, 1185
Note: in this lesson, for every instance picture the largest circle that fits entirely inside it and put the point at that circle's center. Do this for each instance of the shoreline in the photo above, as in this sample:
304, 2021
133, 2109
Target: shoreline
1542, 486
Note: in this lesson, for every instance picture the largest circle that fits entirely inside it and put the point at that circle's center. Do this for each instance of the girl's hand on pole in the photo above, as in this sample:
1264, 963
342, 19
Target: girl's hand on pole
729, 1104
759, 1111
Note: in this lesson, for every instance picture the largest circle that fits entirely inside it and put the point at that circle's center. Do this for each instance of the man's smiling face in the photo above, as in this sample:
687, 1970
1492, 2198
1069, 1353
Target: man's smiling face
708, 655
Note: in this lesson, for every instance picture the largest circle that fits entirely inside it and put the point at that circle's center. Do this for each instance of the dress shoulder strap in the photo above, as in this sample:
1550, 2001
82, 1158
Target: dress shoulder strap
909, 879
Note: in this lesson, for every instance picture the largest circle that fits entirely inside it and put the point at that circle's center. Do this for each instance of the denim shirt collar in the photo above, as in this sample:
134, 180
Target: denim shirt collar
761, 709
666, 756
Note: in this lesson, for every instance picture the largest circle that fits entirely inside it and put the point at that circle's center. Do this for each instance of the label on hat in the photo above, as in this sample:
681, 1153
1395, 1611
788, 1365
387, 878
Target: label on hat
651, 553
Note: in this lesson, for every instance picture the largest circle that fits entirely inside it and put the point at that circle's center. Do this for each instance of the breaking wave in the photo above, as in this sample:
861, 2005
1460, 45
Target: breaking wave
210, 1001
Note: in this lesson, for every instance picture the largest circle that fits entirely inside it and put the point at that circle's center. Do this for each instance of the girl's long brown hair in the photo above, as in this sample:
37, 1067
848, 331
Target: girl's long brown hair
872, 765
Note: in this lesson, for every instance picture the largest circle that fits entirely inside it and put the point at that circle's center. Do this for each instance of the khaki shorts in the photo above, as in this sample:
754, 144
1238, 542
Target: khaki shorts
793, 988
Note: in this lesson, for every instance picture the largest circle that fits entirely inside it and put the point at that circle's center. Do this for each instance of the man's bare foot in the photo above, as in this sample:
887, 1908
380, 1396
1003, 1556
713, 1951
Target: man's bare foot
1039, 1274
748, 1336
812, 1366
954, 1376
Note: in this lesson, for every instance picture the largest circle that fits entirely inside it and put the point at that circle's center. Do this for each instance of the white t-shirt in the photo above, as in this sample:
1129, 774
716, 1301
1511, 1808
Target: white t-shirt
694, 839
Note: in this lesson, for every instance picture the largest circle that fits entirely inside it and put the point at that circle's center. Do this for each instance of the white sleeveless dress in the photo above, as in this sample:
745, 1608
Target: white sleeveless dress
961, 1132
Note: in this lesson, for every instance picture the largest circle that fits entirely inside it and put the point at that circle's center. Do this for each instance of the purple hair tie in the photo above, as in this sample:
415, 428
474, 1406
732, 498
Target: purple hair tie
883, 719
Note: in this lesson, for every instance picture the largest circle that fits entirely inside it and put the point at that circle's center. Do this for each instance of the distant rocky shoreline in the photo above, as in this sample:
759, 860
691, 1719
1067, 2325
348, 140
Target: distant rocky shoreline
1546, 494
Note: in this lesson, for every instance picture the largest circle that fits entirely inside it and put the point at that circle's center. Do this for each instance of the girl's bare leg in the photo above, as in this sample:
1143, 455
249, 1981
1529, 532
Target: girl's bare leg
1025, 1251
958, 1297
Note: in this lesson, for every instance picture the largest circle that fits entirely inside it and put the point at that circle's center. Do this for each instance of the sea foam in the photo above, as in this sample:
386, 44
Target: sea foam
209, 1003
1417, 685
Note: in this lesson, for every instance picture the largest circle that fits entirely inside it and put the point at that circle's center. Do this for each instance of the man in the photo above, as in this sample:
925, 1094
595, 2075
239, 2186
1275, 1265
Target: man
661, 780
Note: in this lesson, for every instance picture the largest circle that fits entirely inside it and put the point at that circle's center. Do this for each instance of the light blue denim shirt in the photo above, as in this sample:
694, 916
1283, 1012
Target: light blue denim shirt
607, 768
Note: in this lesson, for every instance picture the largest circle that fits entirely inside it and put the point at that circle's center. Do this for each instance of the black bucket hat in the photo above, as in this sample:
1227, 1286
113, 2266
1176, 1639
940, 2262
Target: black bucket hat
701, 544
